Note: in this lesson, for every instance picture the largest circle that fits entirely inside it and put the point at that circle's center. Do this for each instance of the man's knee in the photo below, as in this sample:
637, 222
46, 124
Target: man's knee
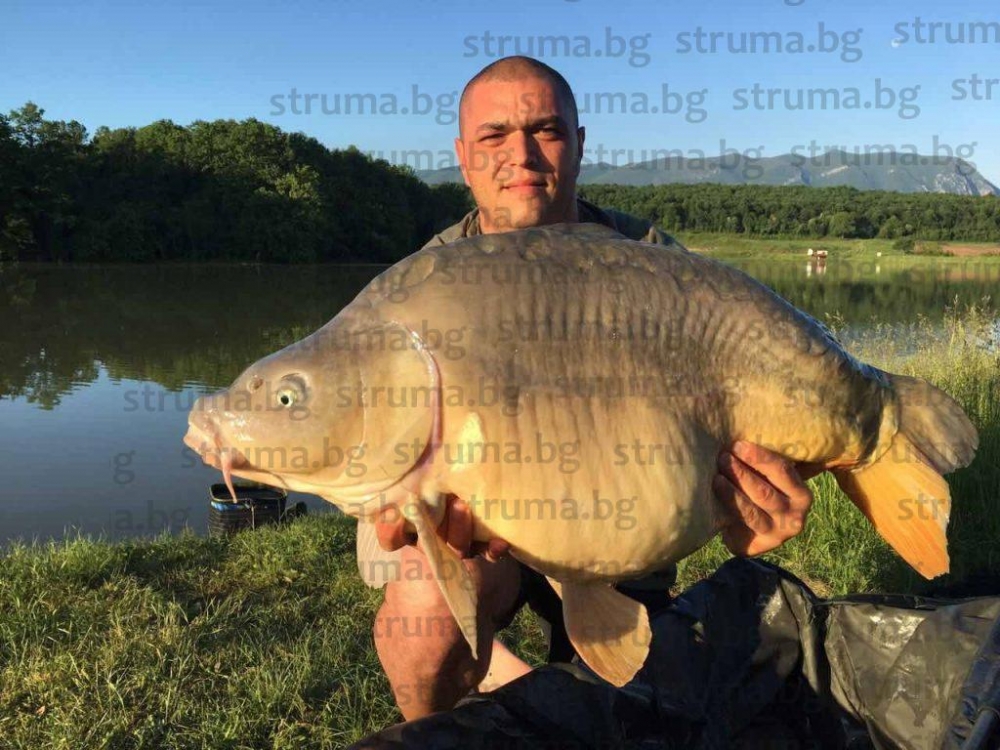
414, 618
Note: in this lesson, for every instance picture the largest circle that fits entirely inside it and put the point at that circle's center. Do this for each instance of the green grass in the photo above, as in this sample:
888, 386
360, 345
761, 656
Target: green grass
264, 640
736, 246
259, 641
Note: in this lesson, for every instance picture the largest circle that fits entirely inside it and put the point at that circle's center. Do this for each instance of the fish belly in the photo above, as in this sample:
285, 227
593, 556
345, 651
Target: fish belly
584, 492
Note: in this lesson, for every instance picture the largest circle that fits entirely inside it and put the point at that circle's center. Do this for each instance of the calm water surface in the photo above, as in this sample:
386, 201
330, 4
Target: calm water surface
99, 367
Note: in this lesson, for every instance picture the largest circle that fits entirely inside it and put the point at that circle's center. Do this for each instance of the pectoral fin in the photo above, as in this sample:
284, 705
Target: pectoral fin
450, 572
609, 630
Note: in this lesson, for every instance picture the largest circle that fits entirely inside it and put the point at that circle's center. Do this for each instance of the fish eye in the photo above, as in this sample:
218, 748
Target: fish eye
291, 391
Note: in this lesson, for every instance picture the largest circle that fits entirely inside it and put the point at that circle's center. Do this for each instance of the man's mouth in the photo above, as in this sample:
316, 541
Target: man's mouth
526, 185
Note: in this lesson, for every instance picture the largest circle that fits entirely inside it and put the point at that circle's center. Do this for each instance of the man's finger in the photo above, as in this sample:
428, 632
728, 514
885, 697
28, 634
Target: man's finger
747, 530
779, 473
390, 529
457, 528
778, 470
736, 532
738, 510
764, 494
497, 549
494, 550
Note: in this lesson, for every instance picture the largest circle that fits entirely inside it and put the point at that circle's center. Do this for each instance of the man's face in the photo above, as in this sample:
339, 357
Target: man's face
519, 151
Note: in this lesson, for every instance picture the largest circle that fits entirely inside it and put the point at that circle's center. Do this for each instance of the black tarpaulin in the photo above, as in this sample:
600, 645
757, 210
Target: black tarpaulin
750, 658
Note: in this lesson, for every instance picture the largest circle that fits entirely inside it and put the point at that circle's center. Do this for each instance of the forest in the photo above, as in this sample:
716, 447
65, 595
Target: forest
247, 191
221, 190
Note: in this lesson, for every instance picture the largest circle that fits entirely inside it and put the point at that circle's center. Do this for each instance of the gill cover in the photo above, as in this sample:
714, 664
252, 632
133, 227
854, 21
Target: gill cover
400, 399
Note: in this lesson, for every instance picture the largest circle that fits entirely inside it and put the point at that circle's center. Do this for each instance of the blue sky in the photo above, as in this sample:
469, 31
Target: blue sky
130, 63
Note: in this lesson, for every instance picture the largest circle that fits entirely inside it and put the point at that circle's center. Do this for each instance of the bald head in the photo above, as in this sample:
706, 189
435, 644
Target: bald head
519, 68
519, 145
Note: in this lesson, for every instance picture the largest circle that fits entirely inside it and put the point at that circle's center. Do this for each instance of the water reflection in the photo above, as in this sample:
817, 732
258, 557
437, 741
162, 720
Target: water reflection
98, 371
177, 326
815, 266
894, 290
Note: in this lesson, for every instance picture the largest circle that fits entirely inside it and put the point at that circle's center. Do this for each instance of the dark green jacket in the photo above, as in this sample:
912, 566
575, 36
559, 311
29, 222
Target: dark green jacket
631, 226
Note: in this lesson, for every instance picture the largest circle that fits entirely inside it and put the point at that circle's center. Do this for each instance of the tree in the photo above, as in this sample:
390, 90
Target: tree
841, 224
246, 190
891, 229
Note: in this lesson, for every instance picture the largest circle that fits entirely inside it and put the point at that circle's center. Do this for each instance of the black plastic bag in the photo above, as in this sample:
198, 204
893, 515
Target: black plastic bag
750, 658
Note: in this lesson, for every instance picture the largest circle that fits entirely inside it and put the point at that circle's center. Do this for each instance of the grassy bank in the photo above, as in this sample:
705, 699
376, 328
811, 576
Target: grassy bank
189, 642
259, 641
264, 640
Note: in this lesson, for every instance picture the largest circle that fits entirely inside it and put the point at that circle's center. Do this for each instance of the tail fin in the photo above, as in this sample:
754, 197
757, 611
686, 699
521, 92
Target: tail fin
902, 492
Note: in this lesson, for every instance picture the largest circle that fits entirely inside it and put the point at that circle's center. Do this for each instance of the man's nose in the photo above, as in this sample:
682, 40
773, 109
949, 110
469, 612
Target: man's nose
522, 150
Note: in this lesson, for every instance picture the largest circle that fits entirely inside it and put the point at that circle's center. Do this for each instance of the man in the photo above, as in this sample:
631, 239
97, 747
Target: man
520, 148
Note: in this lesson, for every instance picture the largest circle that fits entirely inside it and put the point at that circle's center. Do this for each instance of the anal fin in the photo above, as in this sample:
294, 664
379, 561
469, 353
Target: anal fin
609, 630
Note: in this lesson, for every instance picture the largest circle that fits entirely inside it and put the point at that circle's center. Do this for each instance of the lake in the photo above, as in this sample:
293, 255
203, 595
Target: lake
99, 367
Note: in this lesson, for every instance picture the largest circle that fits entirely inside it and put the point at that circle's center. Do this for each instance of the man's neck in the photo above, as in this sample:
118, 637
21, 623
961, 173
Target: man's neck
571, 216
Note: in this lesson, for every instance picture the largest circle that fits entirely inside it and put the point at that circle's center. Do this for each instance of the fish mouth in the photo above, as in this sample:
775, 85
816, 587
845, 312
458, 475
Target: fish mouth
208, 445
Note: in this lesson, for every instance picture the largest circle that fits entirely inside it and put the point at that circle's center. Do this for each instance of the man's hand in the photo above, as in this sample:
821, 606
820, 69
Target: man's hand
764, 496
456, 529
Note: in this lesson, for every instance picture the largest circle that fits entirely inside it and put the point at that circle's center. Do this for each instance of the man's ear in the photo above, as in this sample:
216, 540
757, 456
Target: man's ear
581, 136
462, 163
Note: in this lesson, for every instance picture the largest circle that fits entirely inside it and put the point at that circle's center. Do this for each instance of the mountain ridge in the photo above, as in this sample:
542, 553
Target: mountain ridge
903, 172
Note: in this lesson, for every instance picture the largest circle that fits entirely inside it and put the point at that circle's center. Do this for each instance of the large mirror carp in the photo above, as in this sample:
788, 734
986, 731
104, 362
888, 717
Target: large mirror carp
574, 388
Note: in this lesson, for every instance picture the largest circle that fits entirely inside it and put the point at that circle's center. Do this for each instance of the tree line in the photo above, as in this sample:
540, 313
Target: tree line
221, 190
802, 211
248, 191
